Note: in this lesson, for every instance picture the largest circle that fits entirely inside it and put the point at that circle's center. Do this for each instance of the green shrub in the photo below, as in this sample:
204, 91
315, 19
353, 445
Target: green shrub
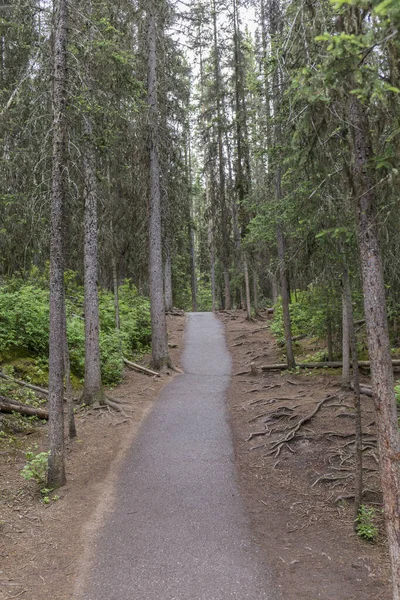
36, 466
24, 319
308, 312
24, 325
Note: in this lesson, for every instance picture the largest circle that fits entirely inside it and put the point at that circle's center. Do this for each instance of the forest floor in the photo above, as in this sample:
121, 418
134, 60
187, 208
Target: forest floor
296, 491
292, 491
41, 546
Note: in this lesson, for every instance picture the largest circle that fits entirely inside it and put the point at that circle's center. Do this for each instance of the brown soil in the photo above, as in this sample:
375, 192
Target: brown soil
41, 547
303, 527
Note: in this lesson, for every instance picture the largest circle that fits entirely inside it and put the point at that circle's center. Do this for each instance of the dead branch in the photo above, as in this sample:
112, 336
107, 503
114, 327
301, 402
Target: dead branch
36, 388
9, 406
140, 368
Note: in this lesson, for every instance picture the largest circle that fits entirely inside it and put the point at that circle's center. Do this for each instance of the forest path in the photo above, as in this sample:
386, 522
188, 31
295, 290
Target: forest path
177, 528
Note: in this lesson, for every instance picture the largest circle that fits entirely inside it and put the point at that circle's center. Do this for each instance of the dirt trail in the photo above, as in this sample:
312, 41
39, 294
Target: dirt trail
178, 529
306, 533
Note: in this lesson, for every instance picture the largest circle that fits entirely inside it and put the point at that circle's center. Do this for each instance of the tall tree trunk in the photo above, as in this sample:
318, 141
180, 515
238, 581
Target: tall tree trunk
168, 283
285, 300
225, 254
192, 248
247, 286
345, 345
159, 337
377, 329
56, 463
193, 278
68, 384
243, 176
212, 267
358, 474
93, 389
329, 340
274, 287
255, 289
115, 289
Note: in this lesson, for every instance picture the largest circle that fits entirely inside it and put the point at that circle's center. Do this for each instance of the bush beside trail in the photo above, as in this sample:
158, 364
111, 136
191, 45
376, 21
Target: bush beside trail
24, 327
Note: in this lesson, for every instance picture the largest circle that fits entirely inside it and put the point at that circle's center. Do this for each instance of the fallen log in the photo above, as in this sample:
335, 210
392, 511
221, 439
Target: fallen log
24, 384
8, 406
320, 365
140, 368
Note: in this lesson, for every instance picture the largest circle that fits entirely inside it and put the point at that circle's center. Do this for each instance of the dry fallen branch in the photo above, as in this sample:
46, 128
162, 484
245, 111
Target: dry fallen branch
140, 368
36, 388
9, 406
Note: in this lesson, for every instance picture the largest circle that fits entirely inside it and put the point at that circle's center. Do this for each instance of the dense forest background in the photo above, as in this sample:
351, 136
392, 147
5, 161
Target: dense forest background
205, 156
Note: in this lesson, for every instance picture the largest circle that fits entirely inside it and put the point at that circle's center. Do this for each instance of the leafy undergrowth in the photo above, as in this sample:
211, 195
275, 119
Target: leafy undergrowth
24, 328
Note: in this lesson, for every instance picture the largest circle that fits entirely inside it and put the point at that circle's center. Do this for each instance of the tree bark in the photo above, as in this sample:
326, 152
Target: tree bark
225, 254
56, 464
358, 452
7, 406
115, 289
159, 341
291, 363
377, 329
255, 290
68, 384
193, 278
329, 338
247, 286
168, 283
345, 345
212, 267
93, 389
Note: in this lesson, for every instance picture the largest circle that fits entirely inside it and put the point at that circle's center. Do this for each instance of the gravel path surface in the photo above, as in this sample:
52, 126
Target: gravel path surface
178, 528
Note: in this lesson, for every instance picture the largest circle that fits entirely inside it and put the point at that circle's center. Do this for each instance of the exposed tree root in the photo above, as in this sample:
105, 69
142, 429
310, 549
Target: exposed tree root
275, 447
331, 477
116, 405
